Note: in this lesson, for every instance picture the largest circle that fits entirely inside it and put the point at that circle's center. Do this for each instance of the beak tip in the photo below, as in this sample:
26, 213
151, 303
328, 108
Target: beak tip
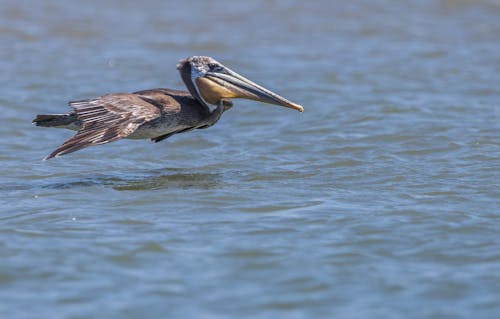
299, 108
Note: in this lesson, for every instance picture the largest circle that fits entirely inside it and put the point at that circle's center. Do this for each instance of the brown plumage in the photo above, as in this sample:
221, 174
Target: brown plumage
158, 113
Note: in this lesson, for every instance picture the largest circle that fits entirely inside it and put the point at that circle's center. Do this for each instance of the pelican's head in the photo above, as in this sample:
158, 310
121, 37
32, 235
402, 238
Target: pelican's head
211, 82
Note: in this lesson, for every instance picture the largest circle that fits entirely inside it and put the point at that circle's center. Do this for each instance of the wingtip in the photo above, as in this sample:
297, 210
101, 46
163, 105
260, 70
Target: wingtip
52, 155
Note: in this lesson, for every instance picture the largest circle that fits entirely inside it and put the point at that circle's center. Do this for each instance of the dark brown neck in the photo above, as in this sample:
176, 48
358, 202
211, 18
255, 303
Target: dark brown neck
215, 115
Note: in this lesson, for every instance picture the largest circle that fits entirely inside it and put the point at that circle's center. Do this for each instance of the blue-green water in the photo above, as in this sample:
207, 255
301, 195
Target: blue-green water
381, 200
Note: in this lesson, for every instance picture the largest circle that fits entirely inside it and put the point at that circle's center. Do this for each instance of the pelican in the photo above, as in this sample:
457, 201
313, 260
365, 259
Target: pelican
159, 113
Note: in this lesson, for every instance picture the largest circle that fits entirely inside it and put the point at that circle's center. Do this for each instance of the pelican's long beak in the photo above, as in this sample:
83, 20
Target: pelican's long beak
237, 86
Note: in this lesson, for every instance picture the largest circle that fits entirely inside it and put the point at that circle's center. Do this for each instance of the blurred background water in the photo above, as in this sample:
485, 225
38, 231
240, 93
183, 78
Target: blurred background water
381, 200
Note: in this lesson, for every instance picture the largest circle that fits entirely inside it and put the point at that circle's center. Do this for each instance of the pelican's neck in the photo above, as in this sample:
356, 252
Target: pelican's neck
189, 77
215, 114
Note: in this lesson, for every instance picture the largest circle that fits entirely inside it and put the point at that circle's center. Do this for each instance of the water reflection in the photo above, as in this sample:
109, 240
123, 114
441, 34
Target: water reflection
147, 180
178, 181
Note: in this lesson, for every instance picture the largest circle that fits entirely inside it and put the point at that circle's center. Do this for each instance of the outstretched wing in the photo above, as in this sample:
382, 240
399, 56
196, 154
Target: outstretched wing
107, 119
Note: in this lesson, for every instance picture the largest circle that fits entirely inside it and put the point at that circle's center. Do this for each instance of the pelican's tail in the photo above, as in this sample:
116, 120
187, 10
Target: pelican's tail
68, 121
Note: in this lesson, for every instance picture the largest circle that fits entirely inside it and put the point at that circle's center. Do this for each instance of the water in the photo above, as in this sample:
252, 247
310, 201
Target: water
381, 200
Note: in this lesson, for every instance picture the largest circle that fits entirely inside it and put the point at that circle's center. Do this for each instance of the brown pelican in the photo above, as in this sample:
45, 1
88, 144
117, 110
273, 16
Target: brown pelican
159, 113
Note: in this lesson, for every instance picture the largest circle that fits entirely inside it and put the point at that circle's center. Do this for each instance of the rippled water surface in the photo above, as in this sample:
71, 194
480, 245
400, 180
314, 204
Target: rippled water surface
381, 200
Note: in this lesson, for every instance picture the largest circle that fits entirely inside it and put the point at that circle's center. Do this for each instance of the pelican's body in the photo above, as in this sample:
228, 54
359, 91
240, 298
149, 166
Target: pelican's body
179, 111
159, 113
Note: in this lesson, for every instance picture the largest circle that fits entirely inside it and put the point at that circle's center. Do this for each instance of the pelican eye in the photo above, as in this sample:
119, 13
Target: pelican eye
214, 67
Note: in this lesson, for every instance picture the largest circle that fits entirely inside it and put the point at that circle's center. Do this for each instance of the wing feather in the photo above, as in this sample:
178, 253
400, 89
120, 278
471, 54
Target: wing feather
107, 119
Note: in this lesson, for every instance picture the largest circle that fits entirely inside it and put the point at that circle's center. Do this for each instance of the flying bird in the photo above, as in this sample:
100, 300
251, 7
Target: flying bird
159, 113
